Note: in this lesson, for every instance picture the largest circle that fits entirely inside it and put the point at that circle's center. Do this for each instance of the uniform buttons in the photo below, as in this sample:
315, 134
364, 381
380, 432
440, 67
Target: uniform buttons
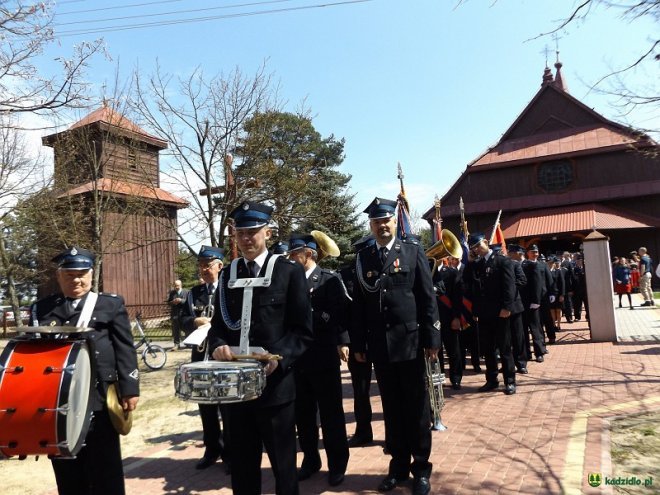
384, 290
387, 325
386, 308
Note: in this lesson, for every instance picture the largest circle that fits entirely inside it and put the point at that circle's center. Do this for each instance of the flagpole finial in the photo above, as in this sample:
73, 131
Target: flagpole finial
399, 171
436, 201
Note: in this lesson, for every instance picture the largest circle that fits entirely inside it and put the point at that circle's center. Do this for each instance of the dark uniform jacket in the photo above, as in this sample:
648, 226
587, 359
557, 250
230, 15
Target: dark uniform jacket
521, 282
177, 309
328, 299
448, 285
400, 317
112, 340
281, 322
197, 303
491, 286
534, 290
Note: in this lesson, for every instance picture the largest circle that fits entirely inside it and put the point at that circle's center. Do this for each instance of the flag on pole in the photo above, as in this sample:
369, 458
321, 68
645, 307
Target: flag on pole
497, 237
404, 221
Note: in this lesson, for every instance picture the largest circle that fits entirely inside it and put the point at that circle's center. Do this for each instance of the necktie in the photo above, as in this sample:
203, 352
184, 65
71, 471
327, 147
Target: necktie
69, 305
252, 268
383, 254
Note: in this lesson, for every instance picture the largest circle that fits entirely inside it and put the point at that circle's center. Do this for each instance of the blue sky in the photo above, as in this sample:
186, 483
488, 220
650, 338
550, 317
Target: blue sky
428, 83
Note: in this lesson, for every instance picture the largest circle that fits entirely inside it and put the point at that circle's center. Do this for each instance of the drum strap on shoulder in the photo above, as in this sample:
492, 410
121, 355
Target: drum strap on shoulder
248, 285
88, 308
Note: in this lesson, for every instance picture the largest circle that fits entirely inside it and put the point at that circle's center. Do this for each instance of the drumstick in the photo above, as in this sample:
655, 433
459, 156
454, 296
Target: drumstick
258, 357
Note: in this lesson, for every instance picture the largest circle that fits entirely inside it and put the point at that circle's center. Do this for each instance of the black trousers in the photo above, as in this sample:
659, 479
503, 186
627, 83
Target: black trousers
407, 416
548, 323
319, 392
177, 328
495, 334
97, 469
216, 442
451, 340
533, 322
469, 339
568, 307
519, 340
254, 428
361, 380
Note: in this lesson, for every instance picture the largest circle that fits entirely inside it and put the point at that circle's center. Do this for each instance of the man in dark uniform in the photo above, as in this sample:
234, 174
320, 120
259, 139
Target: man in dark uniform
177, 300
280, 321
490, 283
280, 248
580, 289
97, 468
360, 372
568, 265
317, 372
197, 312
395, 322
448, 286
519, 335
532, 297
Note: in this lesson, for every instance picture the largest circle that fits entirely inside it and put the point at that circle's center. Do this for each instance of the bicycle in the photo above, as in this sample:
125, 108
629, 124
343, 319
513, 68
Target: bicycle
153, 355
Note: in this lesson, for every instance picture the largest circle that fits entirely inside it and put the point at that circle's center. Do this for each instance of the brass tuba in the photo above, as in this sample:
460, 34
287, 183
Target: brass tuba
326, 246
448, 245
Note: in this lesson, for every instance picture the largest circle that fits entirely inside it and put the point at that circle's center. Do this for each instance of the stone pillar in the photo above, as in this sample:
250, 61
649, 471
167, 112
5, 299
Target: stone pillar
598, 270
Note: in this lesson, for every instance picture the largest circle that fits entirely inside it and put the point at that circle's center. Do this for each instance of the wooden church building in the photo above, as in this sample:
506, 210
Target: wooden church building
559, 172
107, 163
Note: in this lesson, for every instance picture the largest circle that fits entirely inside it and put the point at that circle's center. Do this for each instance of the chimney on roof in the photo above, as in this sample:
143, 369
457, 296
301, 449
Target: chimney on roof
559, 81
547, 76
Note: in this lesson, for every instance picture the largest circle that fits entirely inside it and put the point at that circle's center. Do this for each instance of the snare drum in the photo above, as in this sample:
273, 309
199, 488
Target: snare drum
220, 382
46, 387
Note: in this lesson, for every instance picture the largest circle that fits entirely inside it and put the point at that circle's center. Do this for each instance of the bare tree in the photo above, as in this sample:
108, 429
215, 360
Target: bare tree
615, 84
201, 119
20, 174
25, 32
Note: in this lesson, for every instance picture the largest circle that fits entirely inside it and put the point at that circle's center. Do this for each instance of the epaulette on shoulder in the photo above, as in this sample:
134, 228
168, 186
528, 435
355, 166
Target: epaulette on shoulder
108, 294
410, 240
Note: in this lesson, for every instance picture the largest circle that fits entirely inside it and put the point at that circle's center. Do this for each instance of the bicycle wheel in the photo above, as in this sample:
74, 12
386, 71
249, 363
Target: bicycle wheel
154, 356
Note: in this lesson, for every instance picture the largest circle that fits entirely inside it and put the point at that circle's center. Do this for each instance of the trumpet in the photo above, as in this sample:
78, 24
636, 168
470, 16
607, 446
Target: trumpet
448, 245
434, 380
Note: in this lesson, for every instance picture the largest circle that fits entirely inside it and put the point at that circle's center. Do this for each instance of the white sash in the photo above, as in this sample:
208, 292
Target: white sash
248, 285
88, 308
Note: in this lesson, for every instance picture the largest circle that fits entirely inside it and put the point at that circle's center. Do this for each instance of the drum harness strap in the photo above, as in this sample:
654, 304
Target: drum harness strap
85, 314
248, 285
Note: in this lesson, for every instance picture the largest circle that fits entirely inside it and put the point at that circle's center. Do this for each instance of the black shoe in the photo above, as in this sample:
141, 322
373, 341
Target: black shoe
359, 441
646, 303
523, 370
546, 351
552, 341
569, 321
488, 386
477, 369
306, 472
539, 359
227, 467
207, 461
632, 307
577, 319
455, 386
421, 486
335, 479
390, 483
510, 388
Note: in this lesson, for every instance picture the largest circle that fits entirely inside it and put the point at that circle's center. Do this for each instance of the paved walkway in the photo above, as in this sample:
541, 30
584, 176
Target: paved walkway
545, 439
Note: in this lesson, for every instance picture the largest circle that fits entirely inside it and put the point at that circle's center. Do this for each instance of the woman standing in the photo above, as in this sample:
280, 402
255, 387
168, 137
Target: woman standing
623, 284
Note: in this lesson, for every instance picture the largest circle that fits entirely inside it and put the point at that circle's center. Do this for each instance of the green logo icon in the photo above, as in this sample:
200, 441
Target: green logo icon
595, 479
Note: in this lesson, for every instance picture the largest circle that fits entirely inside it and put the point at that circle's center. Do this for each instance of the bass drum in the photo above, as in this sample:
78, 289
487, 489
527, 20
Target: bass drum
46, 387
220, 382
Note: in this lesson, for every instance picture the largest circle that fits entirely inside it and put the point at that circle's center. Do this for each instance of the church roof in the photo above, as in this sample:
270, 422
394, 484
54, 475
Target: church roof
107, 117
128, 189
572, 218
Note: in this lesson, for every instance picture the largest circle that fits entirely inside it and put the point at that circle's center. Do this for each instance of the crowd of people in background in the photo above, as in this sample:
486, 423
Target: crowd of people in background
633, 275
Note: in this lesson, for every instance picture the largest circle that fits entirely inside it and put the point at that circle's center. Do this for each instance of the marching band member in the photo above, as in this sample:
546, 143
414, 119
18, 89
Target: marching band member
490, 281
317, 372
197, 312
360, 372
97, 468
279, 319
395, 322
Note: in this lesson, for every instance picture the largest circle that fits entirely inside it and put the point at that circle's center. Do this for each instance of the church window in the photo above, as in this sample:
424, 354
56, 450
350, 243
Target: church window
555, 176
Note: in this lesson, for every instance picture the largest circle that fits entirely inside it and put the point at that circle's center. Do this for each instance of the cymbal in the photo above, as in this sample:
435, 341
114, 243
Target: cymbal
53, 329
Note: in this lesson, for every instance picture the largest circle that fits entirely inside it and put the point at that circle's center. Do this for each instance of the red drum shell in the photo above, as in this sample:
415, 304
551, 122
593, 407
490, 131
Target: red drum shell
46, 387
